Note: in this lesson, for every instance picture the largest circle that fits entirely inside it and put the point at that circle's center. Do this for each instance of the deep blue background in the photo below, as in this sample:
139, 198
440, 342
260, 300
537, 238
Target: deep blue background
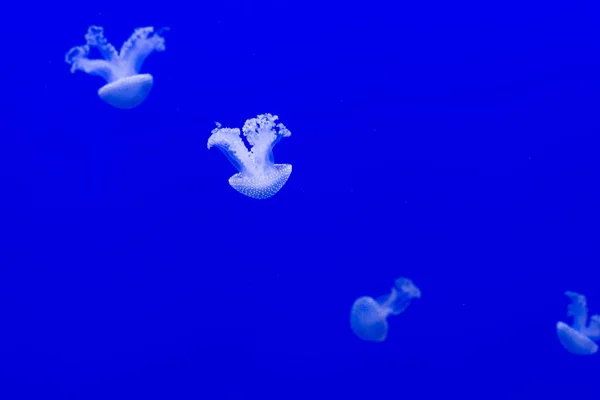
455, 144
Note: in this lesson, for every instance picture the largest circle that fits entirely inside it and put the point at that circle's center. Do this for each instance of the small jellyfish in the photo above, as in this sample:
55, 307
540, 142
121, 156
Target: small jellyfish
368, 318
258, 177
580, 337
125, 88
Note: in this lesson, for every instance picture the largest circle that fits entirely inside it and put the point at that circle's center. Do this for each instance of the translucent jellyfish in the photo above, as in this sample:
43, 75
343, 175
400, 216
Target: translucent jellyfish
258, 177
368, 318
580, 337
126, 87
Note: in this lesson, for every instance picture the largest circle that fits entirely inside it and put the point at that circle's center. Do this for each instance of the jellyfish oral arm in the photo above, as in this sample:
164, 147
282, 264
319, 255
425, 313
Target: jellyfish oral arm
395, 302
263, 134
387, 300
402, 295
578, 310
100, 68
593, 329
228, 140
107, 67
401, 302
115, 66
95, 38
139, 46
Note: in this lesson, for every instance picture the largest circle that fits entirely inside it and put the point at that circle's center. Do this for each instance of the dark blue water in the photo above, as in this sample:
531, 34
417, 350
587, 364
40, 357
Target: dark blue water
455, 144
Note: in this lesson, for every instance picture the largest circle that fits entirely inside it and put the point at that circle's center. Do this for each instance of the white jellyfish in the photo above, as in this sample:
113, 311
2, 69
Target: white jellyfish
126, 87
258, 177
580, 337
368, 318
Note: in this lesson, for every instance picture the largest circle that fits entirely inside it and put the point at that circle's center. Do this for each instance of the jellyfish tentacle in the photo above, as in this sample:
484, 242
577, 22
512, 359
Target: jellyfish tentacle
77, 57
407, 286
95, 38
406, 292
387, 301
593, 329
142, 42
228, 140
263, 134
577, 309
115, 66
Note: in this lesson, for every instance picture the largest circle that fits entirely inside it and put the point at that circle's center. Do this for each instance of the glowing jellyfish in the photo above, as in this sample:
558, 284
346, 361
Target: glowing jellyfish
258, 177
579, 338
126, 87
368, 318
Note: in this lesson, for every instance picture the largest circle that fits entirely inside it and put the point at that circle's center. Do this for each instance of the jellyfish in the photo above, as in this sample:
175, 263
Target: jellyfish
258, 177
368, 318
125, 88
579, 338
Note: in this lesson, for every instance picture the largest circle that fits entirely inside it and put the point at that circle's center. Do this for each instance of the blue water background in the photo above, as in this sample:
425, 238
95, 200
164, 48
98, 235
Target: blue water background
452, 143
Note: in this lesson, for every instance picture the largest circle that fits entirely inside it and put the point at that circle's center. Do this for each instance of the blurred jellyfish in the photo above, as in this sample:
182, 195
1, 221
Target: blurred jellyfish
126, 87
579, 338
258, 177
368, 318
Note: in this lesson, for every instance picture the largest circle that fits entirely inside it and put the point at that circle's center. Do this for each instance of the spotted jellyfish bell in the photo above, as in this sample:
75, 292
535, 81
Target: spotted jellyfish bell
368, 317
125, 88
579, 338
258, 177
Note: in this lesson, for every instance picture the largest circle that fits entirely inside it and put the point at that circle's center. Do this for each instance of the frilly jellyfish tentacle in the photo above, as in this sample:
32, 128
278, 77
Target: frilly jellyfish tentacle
387, 299
235, 161
126, 87
95, 38
263, 134
577, 309
402, 295
228, 140
258, 177
140, 45
593, 329
77, 57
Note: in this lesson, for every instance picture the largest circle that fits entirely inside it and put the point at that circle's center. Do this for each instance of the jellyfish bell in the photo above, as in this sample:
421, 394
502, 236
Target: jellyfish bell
574, 341
262, 186
368, 320
128, 92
